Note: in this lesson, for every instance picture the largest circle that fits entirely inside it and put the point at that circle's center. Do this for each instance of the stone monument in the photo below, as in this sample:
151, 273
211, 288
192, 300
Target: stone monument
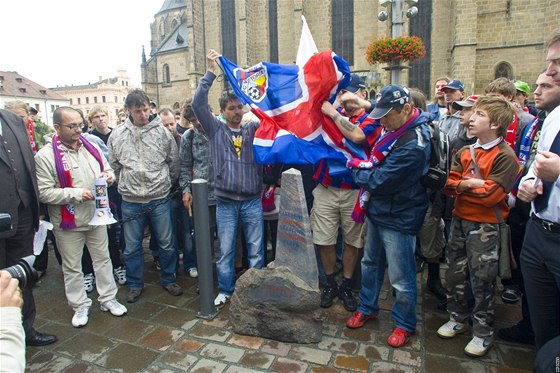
294, 245
282, 302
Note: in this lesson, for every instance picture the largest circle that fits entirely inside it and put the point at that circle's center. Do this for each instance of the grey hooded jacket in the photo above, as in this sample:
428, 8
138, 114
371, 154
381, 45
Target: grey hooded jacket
145, 160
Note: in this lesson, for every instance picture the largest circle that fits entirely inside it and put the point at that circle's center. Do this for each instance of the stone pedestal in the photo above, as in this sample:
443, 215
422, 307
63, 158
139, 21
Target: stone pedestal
276, 304
283, 302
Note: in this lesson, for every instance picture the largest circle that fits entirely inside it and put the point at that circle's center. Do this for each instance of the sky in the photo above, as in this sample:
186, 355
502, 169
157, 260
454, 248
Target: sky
65, 42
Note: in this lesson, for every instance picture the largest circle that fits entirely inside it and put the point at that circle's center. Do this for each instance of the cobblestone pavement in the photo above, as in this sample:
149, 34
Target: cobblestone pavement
161, 333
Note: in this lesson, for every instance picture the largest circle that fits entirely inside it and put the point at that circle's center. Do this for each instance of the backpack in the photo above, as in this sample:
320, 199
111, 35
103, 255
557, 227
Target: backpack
438, 172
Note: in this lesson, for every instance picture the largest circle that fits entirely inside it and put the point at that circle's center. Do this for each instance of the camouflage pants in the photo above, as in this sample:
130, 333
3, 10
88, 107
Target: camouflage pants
472, 255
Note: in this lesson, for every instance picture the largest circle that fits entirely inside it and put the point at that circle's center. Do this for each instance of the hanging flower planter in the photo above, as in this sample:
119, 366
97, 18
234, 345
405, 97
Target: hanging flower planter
394, 51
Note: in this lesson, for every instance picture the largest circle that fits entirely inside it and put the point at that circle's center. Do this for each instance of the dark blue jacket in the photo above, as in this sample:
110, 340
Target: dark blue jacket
434, 109
398, 200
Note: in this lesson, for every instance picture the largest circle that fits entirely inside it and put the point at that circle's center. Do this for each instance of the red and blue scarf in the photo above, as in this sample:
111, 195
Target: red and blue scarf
525, 151
380, 150
65, 177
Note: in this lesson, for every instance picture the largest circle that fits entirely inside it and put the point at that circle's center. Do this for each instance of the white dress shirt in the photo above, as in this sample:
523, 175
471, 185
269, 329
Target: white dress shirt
550, 129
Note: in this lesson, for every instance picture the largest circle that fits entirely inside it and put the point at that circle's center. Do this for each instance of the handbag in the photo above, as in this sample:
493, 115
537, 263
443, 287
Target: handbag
506, 260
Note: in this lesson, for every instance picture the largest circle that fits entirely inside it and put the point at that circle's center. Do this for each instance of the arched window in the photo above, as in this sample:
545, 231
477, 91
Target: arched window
503, 70
166, 74
174, 24
176, 106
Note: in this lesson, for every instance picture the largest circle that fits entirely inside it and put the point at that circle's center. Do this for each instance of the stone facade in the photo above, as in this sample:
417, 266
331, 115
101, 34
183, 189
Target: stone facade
470, 39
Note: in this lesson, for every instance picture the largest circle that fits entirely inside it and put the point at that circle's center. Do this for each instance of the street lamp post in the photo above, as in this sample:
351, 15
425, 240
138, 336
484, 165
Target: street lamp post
397, 22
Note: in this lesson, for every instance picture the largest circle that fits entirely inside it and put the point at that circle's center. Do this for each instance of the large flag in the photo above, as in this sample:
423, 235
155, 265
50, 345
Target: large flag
287, 99
307, 46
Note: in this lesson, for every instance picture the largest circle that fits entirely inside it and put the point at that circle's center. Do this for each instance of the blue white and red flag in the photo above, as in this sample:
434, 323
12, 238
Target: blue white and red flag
287, 99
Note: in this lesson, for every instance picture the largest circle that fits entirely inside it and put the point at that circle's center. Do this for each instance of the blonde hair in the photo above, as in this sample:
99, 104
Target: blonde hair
97, 109
500, 112
17, 104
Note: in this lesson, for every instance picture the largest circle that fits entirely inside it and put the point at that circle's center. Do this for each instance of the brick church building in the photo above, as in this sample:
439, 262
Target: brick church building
471, 40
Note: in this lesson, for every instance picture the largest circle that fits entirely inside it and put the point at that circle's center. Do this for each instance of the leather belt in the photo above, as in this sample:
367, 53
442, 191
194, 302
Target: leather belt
547, 225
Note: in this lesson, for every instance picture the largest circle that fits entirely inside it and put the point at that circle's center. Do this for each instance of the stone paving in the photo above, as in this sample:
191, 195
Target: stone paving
161, 333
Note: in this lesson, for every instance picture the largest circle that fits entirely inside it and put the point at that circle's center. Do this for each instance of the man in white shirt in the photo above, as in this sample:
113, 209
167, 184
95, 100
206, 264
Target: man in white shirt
540, 259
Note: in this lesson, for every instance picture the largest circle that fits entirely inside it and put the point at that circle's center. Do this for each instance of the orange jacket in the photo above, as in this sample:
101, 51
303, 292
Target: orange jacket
498, 167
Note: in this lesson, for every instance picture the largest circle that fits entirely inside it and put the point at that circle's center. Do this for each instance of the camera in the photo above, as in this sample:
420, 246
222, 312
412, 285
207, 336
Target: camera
24, 272
5, 222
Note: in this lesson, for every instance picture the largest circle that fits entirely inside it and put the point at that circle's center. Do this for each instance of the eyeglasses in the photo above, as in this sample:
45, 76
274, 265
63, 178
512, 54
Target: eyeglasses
73, 127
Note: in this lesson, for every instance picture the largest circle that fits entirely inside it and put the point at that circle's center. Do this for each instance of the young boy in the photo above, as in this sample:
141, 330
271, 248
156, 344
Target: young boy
472, 252
505, 88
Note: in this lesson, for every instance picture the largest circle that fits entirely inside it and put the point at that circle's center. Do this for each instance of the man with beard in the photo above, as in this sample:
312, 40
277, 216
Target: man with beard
238, 181
547, 98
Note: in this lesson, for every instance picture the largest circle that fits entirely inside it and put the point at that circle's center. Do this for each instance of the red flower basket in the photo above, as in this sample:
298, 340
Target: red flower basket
401, 48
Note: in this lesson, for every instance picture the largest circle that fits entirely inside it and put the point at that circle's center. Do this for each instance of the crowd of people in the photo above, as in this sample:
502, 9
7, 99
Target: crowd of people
505, 166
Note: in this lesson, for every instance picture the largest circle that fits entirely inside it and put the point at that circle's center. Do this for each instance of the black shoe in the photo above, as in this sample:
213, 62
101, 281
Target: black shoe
41, 339
133, 295
328, 295
517, 334
348, 300
511, 295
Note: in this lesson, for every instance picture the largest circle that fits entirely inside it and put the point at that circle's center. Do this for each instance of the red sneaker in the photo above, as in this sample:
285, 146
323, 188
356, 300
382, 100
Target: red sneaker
399, 337
358, 320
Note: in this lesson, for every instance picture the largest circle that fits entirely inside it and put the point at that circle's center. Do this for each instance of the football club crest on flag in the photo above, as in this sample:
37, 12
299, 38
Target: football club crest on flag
287, 99
253, 81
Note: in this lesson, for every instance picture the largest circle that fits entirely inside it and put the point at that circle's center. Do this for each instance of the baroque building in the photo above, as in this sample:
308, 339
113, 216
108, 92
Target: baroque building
110, 92
471, 40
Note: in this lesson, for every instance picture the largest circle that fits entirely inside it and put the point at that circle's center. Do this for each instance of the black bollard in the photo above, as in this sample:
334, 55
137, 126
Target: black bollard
201, 219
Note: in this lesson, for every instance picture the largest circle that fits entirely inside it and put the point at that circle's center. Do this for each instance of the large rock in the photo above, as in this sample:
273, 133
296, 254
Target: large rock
276, 304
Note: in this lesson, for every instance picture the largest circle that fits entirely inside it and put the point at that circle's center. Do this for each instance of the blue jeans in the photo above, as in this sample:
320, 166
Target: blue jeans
183, 233
161, 222
228, 214
397, 250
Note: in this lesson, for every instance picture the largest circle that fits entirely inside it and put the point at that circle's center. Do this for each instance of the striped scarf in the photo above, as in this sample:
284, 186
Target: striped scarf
525, 151
65, 177
380, 150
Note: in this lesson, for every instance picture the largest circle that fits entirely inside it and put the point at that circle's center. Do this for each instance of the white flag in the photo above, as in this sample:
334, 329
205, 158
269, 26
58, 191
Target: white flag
307, 47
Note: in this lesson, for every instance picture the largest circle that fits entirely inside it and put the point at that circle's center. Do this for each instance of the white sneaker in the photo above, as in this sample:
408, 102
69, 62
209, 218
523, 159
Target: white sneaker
120, 275
89, 281
114, 307
478, 347
450, 329
193, 272
221, 300
80, 317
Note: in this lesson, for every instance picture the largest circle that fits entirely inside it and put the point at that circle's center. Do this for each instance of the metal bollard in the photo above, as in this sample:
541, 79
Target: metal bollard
203, 249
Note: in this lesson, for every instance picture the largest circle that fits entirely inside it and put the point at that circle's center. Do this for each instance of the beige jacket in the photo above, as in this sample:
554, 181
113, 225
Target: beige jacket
84, 169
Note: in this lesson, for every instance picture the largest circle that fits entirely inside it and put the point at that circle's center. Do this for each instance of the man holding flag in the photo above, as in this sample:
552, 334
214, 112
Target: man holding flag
336, 197
237, 177
396, 209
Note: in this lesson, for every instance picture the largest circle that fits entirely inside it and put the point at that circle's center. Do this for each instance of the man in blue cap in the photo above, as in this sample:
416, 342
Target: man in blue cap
451, 122
396, 209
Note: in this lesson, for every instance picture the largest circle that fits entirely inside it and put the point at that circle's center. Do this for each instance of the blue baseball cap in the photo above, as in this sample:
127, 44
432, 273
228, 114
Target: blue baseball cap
356, 83
389, 97
456, 85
